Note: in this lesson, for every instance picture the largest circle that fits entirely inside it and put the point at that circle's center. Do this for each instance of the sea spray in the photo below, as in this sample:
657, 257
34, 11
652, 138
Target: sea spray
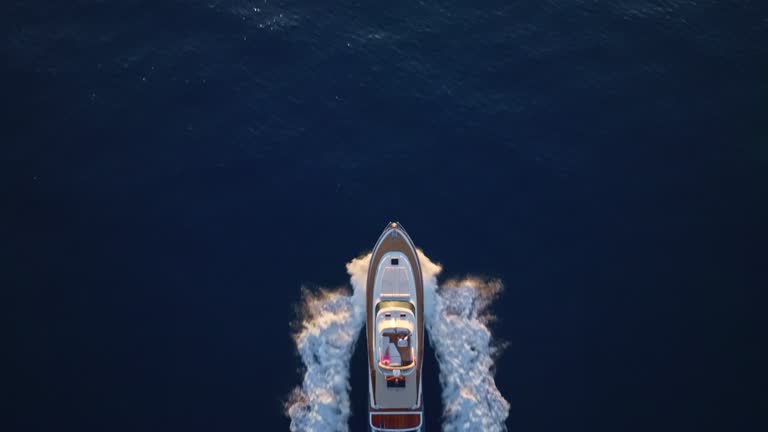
329, 325
429, 272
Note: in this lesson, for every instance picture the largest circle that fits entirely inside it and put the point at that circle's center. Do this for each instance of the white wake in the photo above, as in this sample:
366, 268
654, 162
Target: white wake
463, 346
331, 321
456, 319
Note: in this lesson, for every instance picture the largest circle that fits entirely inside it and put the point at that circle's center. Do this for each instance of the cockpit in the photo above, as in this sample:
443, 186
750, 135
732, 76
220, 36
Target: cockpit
395, 345
396, 348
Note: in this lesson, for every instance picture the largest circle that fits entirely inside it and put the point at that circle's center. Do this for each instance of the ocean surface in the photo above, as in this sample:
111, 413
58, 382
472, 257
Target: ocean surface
175, 174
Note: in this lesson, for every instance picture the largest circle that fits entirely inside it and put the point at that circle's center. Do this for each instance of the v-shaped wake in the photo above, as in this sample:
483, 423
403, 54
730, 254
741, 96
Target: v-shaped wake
456, 319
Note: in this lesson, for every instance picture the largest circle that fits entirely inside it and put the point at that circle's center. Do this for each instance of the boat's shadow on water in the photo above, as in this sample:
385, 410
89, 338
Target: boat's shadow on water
433, 405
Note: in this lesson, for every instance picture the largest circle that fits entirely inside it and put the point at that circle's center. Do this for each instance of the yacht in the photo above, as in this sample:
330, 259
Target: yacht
395, 333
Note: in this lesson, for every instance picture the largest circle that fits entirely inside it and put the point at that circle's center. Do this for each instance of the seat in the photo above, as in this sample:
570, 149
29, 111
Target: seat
394, 355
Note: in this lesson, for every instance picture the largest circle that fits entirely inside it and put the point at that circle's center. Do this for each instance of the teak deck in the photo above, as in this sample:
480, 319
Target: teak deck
395, 421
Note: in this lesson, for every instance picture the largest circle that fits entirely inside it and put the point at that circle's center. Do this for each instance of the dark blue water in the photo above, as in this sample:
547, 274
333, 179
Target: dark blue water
174, 171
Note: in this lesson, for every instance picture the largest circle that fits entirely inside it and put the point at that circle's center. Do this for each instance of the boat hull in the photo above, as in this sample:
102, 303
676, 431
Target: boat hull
395, 407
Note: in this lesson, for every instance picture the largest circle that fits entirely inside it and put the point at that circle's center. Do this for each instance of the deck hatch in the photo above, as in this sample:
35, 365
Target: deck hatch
396, 382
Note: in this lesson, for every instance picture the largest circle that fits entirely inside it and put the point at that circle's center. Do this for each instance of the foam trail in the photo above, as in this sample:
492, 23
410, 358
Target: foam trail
463, 346
331, 321
456, 319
